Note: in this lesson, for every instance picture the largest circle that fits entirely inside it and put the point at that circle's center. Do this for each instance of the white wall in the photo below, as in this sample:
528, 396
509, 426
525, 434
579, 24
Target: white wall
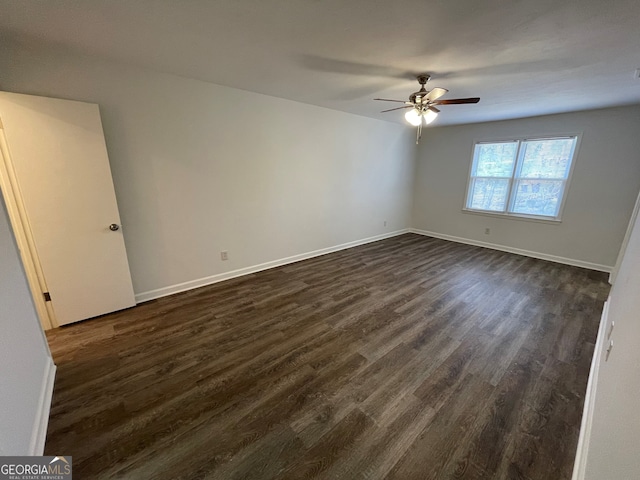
200, 168
26, 368
605, 182
613, 440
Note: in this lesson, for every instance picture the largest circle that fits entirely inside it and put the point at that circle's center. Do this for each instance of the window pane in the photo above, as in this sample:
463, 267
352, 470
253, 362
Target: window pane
495, 159
547, 158
537, 197
488, 194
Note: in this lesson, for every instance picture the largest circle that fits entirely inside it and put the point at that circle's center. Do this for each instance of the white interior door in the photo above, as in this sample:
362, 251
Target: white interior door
60, 160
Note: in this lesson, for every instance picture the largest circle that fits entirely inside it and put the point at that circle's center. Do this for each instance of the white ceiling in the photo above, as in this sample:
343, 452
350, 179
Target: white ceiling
522, 57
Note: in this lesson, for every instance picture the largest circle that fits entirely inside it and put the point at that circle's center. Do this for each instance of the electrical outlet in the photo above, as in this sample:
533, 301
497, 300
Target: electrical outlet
385, 223
636, 74
224, 255
487, 231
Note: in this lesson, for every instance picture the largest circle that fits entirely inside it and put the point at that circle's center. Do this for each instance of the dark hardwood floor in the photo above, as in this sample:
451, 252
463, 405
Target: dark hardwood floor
408, 358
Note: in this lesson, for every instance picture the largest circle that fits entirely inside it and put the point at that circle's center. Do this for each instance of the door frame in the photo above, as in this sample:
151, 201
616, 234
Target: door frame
623, 248
24, 237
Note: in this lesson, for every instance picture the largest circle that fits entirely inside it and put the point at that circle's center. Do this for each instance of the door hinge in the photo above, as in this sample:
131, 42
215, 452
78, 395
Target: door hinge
47, 296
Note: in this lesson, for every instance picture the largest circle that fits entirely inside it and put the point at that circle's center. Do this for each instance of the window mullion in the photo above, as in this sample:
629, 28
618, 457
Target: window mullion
516, 169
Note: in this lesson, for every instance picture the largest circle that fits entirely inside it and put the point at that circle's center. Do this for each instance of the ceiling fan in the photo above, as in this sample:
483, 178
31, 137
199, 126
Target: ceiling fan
422, 104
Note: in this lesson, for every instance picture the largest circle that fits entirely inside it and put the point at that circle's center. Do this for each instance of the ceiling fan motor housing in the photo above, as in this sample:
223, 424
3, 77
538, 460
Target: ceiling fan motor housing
423, 78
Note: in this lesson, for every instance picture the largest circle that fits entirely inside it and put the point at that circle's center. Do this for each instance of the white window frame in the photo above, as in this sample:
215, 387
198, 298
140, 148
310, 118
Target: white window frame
513, 179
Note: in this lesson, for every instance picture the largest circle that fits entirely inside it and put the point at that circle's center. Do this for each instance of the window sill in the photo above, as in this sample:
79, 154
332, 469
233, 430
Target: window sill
513, 216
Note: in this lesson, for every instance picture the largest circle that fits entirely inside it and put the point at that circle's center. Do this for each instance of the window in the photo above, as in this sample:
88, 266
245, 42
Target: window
525, 177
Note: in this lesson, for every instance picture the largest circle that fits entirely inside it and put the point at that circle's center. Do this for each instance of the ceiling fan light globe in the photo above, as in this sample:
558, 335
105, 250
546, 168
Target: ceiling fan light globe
413, 117
430, 116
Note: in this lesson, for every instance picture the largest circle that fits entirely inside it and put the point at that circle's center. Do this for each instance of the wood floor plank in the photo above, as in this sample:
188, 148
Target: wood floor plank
432, 450
375, 455
407, 358
331, 447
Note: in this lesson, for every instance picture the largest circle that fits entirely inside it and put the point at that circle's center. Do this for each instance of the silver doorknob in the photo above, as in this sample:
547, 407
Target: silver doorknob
114, 227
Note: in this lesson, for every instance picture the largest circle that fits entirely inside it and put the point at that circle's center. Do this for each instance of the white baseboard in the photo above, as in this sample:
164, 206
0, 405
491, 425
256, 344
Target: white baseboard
201, 282
580, 464
519, 251
39, 434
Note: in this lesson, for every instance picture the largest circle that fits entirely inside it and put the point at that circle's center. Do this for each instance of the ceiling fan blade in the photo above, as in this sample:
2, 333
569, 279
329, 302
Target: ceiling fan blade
437, 92
388, 100
434, 109
457, 101
398, 108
